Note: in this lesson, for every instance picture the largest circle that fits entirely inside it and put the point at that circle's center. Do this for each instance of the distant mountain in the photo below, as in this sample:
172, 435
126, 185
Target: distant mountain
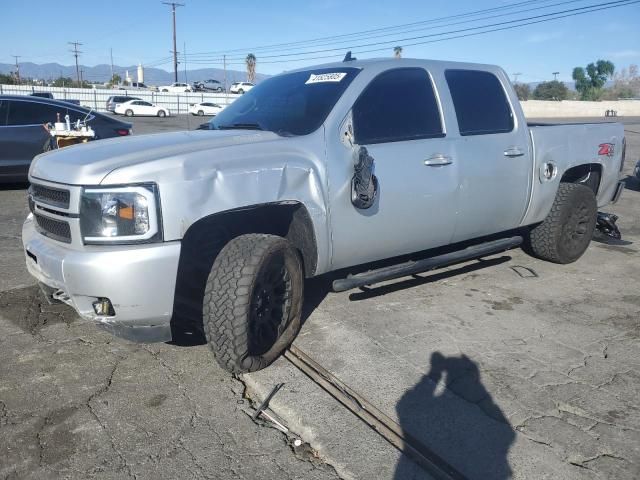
102, 73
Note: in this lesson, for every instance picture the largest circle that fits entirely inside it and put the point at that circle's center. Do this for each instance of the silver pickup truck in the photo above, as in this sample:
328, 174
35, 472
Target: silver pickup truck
318, 170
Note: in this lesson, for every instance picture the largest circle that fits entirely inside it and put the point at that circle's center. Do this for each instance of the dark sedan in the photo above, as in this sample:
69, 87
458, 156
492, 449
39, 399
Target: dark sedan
22, 135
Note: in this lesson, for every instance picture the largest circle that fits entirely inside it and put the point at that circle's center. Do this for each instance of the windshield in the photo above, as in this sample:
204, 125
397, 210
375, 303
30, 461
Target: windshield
289, 104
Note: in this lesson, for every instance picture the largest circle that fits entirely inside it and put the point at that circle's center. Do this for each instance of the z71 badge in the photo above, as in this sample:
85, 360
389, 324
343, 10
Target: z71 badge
606, 149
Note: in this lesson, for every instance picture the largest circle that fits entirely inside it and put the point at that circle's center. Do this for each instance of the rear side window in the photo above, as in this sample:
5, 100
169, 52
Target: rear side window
481, 104
4, 112
32, 113
35, 113
397, 105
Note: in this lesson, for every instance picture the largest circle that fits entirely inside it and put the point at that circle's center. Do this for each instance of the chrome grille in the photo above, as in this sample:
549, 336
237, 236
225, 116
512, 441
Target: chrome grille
55, 229
52, 196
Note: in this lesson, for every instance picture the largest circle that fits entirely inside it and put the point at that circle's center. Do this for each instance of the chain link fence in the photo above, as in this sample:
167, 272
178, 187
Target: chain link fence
96, 98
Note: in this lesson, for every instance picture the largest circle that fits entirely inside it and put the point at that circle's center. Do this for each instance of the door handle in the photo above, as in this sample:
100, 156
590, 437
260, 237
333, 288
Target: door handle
438, 160
513, 152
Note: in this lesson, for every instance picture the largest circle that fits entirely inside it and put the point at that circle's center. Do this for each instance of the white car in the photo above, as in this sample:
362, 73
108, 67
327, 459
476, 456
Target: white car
205, 108
241, 87
176, 87
140, 107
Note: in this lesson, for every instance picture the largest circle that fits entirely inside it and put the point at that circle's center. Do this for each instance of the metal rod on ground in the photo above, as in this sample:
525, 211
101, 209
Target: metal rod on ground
374, 418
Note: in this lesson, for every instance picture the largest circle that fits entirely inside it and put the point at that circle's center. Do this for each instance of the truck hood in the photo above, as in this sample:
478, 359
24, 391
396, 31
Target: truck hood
90, 163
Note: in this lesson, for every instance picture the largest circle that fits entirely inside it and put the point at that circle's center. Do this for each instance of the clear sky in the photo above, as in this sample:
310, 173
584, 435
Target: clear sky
140, 31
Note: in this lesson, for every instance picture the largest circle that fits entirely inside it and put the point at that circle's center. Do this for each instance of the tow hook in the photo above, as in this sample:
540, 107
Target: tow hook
606, 224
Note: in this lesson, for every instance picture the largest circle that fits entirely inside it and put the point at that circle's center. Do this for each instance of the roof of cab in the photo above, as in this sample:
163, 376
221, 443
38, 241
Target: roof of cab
385, 63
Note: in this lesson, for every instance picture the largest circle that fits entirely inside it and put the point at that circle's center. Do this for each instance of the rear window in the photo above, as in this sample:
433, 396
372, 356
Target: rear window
480, 102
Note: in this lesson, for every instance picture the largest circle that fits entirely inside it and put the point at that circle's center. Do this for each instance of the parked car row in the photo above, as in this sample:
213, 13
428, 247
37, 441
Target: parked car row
22, 135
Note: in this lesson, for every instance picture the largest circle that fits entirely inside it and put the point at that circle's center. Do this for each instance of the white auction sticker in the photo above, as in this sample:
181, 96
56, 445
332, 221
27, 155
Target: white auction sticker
326, 77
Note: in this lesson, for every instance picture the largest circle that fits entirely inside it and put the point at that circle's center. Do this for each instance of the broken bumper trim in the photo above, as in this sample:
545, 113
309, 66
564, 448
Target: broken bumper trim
138, 280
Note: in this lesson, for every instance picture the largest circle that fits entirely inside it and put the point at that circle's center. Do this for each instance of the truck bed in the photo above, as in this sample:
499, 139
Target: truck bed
568, 145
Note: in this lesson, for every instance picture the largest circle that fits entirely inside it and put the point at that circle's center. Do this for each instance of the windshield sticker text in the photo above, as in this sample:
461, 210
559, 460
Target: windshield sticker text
325, 77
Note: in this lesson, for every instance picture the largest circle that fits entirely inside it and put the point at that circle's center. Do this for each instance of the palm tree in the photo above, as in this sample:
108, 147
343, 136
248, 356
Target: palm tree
397, 52
251, 67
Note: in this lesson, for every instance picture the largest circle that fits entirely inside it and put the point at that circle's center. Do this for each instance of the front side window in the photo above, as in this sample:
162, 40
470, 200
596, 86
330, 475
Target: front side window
480, 102
397, 105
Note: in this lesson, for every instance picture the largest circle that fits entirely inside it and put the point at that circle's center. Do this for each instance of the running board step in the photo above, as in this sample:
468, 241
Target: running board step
420, 266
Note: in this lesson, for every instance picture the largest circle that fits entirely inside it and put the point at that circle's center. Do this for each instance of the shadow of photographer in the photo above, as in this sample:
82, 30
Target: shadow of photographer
451, 413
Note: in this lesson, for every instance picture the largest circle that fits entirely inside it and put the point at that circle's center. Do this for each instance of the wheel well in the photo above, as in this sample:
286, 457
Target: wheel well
588, 174
288, 220
205, 239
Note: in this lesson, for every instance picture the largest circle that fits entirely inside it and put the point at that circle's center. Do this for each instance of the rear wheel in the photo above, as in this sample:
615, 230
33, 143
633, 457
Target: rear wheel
129, 113
162, 113
253, 301
566, 232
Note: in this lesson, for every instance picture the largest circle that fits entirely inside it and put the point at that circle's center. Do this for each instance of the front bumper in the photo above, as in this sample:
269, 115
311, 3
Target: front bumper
139, 280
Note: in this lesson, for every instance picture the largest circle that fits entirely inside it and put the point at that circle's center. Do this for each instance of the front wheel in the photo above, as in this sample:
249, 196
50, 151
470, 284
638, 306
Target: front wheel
253, 301
566, 232
200, 113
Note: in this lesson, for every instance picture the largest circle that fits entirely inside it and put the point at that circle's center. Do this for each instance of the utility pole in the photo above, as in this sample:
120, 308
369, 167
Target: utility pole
555, 76
76, 53
111, 54
184, 54
224, 63
17, 67
515, 77
81, 80
175, 48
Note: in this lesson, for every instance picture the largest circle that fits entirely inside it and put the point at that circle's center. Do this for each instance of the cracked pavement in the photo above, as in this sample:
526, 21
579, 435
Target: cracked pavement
77, 403
503, 373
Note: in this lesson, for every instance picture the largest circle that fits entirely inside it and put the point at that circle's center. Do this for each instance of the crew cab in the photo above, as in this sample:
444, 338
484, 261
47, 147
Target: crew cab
323, 169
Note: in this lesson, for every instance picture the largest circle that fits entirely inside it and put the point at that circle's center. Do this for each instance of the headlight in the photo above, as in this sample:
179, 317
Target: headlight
120, 214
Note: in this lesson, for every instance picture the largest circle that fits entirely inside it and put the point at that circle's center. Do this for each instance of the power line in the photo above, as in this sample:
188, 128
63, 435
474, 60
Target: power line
452, 34
376, 30
76, 53
175, 48
289, 46
402, 41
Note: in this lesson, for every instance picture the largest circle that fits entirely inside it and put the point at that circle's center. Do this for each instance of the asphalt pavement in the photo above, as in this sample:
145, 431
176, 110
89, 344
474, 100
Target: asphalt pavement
507, 368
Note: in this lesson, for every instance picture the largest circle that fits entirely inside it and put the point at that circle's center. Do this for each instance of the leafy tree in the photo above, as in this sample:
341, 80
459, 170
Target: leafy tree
63, 82
116, 79
626, 84
522, 90
251, 67
7, 79
553, 90
397, 52
589, 82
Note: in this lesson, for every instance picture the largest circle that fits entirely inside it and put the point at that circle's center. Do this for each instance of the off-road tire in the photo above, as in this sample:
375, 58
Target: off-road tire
566, 232
232, 294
